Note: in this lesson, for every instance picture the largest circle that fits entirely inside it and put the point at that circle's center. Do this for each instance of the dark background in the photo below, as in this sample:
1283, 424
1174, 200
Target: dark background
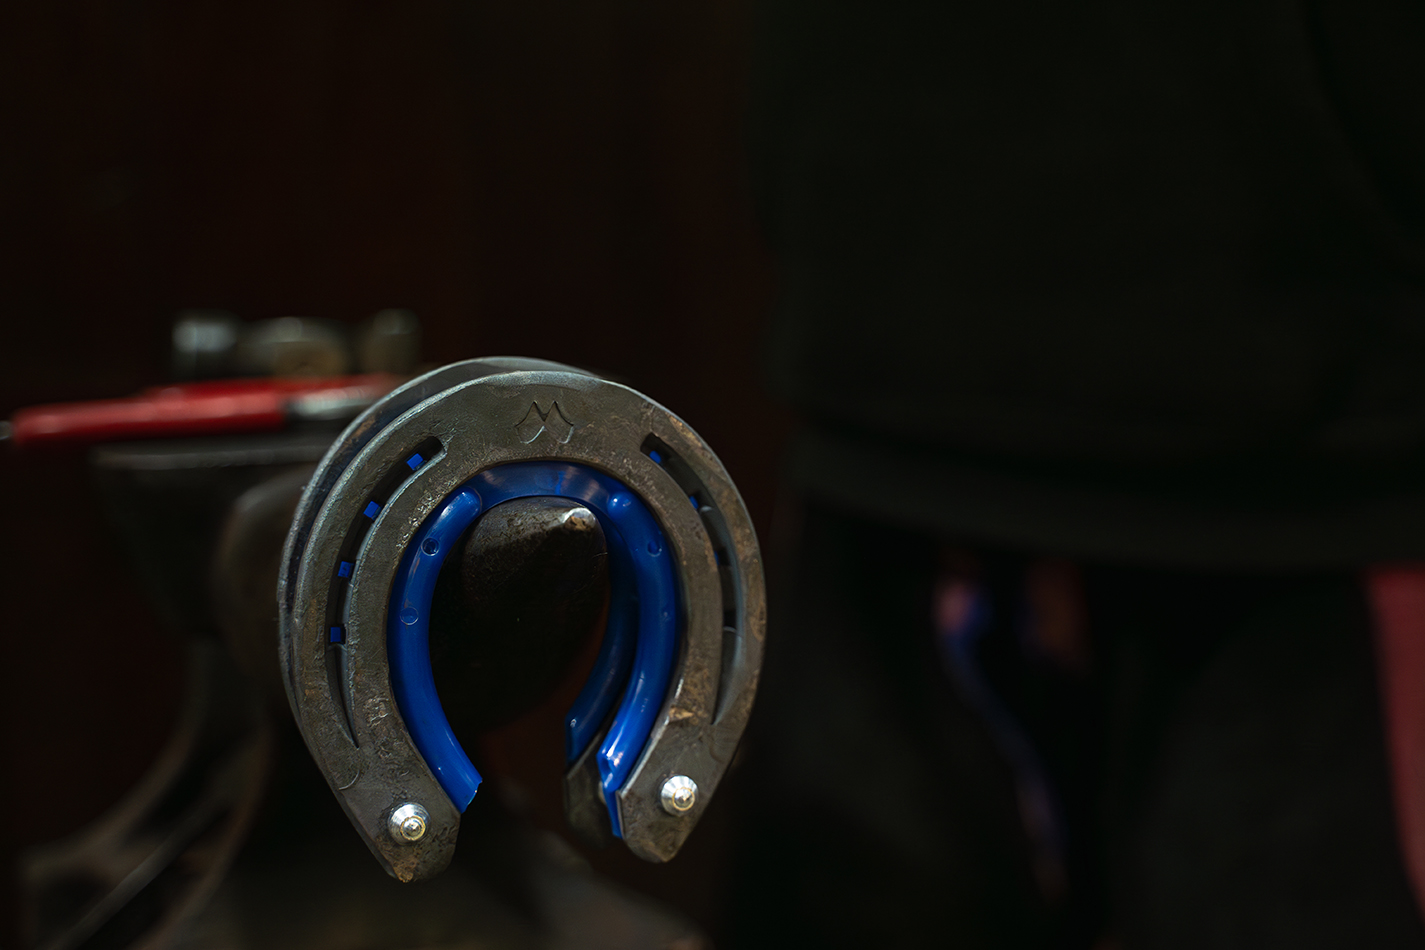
557, 180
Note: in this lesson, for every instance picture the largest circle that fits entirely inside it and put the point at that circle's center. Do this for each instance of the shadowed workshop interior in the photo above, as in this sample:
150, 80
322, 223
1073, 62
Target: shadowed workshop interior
1067, 360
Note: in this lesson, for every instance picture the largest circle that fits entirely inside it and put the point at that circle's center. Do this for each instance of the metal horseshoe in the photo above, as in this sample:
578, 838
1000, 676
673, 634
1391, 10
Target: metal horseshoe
656, 724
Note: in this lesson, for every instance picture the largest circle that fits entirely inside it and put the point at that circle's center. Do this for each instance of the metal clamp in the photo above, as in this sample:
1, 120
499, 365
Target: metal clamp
674, 682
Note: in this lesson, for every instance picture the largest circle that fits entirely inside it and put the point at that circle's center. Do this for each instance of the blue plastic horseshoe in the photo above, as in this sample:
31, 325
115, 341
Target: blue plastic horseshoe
642, 608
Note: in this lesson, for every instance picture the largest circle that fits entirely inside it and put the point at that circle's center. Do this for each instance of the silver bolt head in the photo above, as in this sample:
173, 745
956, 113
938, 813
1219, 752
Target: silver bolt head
679, 795
408, 822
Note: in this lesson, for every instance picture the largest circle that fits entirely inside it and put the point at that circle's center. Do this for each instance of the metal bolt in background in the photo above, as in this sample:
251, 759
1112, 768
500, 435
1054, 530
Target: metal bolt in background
408, 822
679, 795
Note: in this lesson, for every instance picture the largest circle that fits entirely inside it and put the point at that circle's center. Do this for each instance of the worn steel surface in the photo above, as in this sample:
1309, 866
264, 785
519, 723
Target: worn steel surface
469, 417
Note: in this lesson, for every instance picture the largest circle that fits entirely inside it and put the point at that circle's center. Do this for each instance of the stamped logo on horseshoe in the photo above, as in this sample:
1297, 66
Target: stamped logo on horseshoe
538, 421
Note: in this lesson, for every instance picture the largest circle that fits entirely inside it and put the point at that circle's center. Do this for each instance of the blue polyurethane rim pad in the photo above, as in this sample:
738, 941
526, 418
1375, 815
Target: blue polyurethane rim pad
636, 540
611, 666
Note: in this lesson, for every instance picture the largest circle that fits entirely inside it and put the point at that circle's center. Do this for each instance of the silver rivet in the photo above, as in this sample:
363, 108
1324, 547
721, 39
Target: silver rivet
408, 822
679, 795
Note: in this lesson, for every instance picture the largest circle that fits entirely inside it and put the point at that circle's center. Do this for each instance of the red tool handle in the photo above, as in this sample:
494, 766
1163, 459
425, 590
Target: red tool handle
210, 408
